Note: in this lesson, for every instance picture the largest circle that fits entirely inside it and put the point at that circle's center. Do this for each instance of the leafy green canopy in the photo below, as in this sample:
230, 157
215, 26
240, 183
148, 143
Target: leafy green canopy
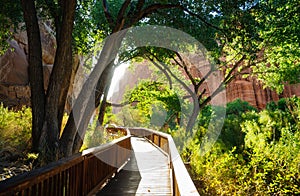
266, 35
85, 33
149, 93
279, 30
10, 16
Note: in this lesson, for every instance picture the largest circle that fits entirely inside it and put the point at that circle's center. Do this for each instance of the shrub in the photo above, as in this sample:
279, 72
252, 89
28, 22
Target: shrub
265, 163
15, 129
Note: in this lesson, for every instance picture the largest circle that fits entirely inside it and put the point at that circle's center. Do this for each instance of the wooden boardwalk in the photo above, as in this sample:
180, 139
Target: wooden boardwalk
147, 173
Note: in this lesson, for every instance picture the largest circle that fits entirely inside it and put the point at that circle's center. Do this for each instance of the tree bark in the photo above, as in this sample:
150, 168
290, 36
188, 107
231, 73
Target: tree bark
102, 107
103, 103
73, 134
36, 78
102, 86
101, 89
59, 85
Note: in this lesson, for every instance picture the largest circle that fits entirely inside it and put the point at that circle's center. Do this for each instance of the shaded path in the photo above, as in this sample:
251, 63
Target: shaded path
147, 173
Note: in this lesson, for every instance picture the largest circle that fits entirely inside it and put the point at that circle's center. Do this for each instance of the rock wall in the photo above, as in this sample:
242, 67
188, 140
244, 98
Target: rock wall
14, 78
247, 89
130, 78
252, 91
15, 87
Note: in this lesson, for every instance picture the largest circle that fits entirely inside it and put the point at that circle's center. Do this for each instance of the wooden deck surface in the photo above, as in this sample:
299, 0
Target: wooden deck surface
147, 173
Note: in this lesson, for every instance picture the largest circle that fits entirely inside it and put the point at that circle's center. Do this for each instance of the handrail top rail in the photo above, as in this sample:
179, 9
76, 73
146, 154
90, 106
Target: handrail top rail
103, 147
151, 130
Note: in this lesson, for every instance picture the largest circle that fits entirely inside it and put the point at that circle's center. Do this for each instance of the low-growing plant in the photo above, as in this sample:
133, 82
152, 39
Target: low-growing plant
15, 129
264, 162
97, 135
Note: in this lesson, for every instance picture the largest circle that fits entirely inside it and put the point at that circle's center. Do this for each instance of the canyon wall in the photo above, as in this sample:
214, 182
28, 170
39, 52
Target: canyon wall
15, 87
247, 89
14, 78
252, 91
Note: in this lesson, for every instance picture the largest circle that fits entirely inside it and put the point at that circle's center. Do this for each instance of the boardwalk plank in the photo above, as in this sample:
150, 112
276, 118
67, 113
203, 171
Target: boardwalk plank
147, 173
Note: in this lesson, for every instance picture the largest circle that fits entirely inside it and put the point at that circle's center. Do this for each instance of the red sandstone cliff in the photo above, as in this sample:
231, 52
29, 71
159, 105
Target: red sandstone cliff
14, 80
247, 89
252, 91
15, 89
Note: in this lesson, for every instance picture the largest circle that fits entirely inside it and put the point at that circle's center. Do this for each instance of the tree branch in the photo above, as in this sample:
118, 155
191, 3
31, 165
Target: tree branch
56, 13
227, 78
150, 10
120, 18
185, 68
121, 104
107, 14
140, 5
174, 76
202, 19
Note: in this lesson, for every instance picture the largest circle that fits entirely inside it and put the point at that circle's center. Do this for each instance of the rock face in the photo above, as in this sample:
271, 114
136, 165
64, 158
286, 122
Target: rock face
15, 87
14, 79
246, 89
252, 91
128, 81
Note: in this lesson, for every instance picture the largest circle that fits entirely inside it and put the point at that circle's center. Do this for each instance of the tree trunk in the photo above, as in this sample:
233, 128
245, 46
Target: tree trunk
89, 110
59, 85
103, 104
106, 59
102, 108
36, 78
194, 115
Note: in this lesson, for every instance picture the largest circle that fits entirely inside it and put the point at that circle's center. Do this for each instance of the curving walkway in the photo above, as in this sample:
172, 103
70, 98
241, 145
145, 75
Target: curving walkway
147, 173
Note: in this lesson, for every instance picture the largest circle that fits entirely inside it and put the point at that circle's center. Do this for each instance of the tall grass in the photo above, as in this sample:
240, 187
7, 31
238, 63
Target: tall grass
15, 129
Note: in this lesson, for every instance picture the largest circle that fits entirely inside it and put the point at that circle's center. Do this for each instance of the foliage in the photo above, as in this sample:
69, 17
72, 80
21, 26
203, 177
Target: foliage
231, 134
97, 135
109, 117
15, 129
151, 99
131, 117
265, 161
94, 136
264, 34
64, 122
279, 30
85, 34
10, 16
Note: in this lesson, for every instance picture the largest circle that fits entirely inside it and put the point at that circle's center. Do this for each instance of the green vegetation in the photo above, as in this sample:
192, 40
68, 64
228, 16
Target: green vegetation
15, 129
15, 142
156, 104
97, 135
245, 34
257, 153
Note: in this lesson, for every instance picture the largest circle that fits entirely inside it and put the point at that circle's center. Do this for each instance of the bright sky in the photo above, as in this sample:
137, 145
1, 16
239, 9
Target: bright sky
118, 74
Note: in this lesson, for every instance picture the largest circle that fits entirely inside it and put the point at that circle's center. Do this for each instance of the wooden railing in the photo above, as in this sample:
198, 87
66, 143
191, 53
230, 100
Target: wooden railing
182, 182
84, 173
81, 174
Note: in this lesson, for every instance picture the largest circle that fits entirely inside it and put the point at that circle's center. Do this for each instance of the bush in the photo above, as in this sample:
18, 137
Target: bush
97, 135
15, 129
265, 161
